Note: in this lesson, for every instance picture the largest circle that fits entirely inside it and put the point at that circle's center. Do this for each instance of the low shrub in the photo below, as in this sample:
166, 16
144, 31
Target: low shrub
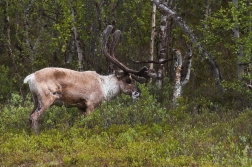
124, 132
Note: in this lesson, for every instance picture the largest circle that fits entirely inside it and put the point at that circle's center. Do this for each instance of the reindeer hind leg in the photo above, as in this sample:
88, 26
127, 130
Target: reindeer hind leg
35, 103
43, 102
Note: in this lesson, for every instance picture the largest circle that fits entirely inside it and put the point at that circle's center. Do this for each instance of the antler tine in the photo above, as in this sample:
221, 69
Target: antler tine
139, 79
106, 33
116, 36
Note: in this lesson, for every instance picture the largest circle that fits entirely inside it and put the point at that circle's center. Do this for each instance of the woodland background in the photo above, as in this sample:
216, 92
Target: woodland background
207, 124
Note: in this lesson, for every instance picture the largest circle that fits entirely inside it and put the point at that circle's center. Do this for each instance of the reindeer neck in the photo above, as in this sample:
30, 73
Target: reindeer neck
111, 87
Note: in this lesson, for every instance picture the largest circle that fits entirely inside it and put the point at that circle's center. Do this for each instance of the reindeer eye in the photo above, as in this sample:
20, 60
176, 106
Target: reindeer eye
128, 80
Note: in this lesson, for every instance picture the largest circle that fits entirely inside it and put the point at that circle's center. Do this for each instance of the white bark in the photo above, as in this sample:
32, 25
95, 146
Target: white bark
162, 48
189, 53
179, 83
178, 86
153, 31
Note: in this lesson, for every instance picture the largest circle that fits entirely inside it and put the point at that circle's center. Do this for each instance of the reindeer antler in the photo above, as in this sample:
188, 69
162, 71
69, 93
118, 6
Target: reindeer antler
142, 75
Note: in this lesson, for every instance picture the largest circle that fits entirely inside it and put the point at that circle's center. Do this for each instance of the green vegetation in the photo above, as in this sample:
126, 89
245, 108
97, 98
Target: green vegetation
209, 127
126, 133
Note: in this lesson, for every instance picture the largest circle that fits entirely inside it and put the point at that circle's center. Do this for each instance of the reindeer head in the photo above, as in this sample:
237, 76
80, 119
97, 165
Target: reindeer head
126, 77
127, 84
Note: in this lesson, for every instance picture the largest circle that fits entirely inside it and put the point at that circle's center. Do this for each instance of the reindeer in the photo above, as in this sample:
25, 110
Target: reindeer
84, 90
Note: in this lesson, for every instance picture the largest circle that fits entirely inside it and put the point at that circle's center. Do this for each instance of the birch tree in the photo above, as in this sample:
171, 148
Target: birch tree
204, 54
162, 46
153, 31
76, 38
32, 46
181, 82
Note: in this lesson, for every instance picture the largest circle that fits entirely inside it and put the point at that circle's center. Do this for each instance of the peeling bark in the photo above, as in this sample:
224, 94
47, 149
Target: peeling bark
189, 66
204, 54
179, 83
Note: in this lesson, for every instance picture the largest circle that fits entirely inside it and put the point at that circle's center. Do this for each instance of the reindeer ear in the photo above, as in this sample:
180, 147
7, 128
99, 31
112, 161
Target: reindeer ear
120, 73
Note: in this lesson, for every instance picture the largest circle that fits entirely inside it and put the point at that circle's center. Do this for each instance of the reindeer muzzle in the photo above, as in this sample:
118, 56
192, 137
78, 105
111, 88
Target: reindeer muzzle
136, 93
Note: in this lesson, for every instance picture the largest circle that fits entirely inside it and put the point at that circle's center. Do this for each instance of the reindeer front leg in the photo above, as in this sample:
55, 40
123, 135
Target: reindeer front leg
90, 109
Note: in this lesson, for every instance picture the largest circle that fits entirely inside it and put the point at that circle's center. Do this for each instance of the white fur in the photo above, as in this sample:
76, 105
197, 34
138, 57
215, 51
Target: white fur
29, 78
110, 87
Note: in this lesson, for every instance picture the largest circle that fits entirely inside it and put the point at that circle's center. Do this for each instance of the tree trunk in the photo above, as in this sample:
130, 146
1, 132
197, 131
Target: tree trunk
28, 43
204, 54
71, 52
179, 83
189, 54
249, 50
177, 87
77, 39
240, 55
162, 47
11, 54
26, 27
153, 31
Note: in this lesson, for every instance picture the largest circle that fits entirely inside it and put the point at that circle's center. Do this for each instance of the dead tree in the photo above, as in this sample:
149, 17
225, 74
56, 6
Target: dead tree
204, 54
181, 82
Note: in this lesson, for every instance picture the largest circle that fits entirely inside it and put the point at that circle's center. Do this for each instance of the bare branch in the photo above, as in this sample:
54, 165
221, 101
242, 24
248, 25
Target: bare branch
152, 61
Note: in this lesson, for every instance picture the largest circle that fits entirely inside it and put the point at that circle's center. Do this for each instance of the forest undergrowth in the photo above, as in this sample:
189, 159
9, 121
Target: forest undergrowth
124, 132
